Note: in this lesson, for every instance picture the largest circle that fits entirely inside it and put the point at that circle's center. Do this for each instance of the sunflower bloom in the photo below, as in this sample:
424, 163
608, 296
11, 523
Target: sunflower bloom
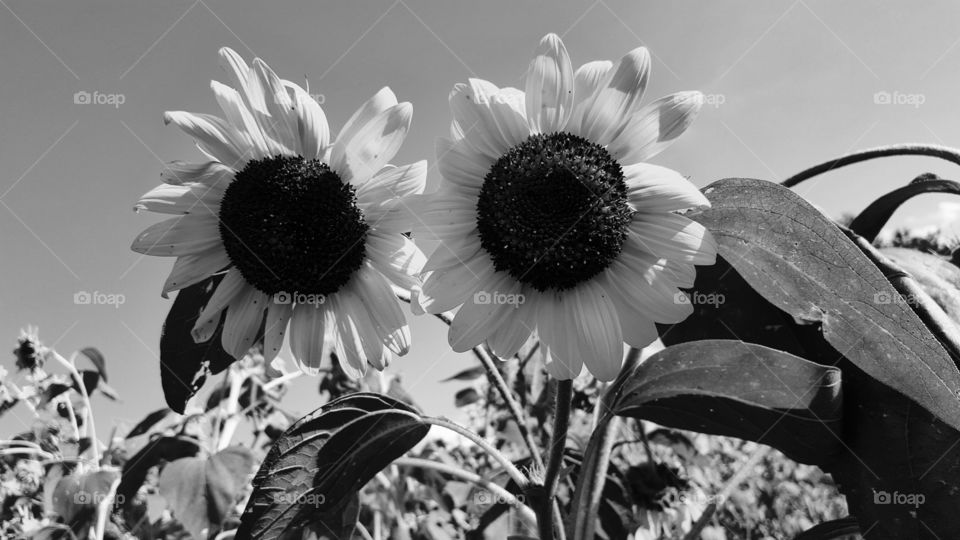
550, 220
307, 231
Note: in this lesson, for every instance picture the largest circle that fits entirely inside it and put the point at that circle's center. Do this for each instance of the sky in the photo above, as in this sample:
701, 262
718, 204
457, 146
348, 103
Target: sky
788, 84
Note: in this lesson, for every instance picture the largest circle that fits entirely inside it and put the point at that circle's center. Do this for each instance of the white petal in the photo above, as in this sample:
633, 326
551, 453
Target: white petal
446, 215
597, 330
243, 79
651, 188
446, 289
654, 127
635, 256
212, 174
587, 80
473, 120
184, 235
240, 118
373, 107
229, 287
637, 328
360, 157
674, 237
312, 127
518, 324
348, 339
192, 269
483, 312
193, 198
283, 117
384, 309
461, 166
213, 135
274, 330
620, 92
549, 86
365, 334
396, 257
393, 182
450, 254
244, 316
308, 343
650, 292
560, 352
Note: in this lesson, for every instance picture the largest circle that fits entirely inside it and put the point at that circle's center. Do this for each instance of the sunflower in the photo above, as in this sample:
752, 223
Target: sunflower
550, 220
305, 230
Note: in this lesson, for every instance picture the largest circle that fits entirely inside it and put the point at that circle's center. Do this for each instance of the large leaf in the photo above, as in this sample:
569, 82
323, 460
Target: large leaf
202, 490
802, 263
148, 422
729, 387
185, 364
96, 358
156, 452
316, 467
869, 223
76, 497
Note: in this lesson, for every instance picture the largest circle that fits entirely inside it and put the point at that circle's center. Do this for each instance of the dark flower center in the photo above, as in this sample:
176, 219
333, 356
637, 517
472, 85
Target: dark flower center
553, 211
291, 225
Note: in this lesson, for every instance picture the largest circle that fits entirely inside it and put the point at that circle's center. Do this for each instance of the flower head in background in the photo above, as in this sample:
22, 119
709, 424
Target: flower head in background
551, 220
30, 353
309, 230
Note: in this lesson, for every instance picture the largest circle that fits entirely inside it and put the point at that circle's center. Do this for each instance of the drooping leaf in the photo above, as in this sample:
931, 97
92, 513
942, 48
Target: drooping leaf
869, 223
466, 397
202, 490
728, 387
148, 422
96, 357
802, 263
185, 364
76, 497
468, 374
156, 452
317, 466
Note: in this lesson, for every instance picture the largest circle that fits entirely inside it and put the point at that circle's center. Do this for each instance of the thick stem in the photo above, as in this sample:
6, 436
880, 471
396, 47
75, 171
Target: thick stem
558, 443
94, 444
502, 494
593, 471
932, 150
507, 465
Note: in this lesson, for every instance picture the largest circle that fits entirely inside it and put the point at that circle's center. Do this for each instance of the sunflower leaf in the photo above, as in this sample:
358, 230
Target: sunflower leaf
313, 472
869, 222
786, 402
185, 364
802, 263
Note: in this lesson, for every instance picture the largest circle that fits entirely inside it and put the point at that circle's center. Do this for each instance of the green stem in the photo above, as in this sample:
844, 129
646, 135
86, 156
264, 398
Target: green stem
558, 443
593, 471
94, 444
932, 150
508, 465
502, 494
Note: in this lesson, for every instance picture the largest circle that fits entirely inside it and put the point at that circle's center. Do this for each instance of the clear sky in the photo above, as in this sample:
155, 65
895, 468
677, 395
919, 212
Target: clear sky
789, 84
